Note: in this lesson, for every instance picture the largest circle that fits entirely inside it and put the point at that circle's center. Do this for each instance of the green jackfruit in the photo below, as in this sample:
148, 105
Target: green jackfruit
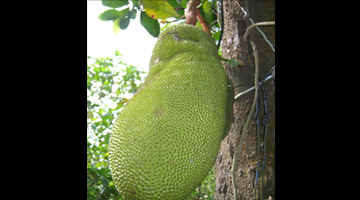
167, 137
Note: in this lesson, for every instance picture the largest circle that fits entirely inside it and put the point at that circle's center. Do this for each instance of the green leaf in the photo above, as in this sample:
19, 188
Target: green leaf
173, 3
115, 3
151, 25
101, 111
216, 35
89, 114
117, 53
109, 15
124, 12
198, 25
119, 23
208, 14
132, 13
116, 26
120, 104
111, 184
97, 77
233, 62
158, 9
118, 92
124, 22
107, 116
166, 25
136, 2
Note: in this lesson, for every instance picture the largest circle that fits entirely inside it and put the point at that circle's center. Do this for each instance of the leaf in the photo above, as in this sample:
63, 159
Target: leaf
132, 13
114, 3
118, 92
198, 25
151, 25
236, 62
208, 14
111, 184
90, 115
106, 117
109, 15
120, 104
124, 22
216, 35
124, 12
233, 62
166, 25
136, 2
173, 3
117, 26
158, 9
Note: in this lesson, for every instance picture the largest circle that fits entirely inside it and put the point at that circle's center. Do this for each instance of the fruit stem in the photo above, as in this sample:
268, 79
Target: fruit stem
190, 13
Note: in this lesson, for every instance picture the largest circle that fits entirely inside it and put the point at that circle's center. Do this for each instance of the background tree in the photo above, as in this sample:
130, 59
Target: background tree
246, 158
109, 81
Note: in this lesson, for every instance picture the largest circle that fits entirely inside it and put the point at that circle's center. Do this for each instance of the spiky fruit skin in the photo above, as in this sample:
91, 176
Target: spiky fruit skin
167, 137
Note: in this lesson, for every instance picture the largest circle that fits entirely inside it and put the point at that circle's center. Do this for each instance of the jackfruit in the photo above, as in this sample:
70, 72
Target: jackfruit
167, 136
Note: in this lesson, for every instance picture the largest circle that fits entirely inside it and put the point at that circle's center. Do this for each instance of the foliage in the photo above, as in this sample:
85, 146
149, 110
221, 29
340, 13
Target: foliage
150, 24
109, 82
165, 11
207, 188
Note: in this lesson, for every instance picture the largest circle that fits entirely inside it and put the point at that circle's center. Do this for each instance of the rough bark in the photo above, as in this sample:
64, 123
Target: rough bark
234, 46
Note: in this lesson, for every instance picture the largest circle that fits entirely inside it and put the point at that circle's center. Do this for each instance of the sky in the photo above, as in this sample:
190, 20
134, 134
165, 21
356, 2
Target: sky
135, 43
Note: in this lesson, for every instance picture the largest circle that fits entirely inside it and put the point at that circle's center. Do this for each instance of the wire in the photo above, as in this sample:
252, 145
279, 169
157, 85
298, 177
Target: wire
266, 78
260, 84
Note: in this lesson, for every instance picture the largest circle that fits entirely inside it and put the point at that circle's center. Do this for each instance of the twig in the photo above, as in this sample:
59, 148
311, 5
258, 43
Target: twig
214, 22
248, 118
255, 25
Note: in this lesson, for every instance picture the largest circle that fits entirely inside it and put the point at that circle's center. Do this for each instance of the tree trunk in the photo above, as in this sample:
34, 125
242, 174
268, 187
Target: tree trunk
234, 46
